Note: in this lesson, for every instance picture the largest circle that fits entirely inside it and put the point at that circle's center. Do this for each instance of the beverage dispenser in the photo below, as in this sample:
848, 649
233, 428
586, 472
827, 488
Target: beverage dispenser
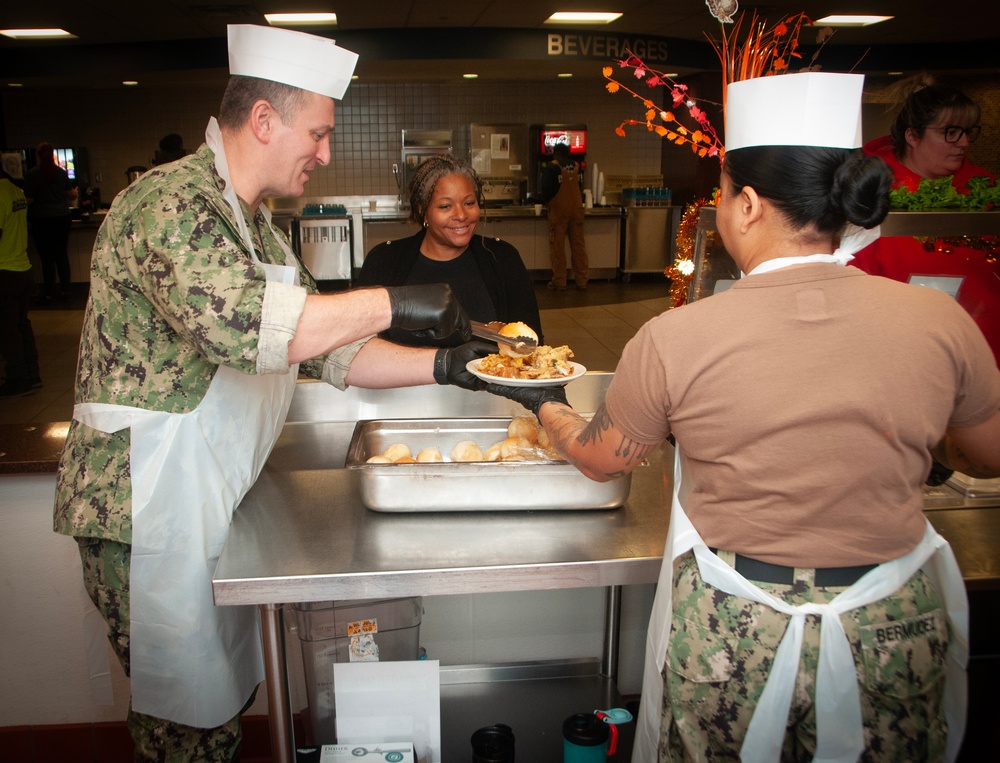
542, 139
499, 154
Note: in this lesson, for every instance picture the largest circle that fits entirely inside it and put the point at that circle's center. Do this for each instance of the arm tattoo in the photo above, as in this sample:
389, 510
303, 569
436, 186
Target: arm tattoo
627, 449
952, 455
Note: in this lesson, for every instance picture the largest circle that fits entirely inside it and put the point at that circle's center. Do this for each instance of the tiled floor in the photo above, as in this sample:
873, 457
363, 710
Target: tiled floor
596, 323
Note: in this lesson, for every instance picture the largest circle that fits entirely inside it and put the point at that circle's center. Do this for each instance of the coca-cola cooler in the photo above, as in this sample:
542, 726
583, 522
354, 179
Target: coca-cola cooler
542, 139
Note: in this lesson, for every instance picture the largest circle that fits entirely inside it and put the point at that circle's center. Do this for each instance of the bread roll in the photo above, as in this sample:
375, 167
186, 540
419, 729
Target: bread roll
493, 452
523, 426
378, 460
515, 330
405, 460
397, 451
514, 448
429, 456
467, 450
543, 440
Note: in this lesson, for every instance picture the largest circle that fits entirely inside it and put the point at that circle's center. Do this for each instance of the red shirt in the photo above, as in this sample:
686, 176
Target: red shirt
902, 257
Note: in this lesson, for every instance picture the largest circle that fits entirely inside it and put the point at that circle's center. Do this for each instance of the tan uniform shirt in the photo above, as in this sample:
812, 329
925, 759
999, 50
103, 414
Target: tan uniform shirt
807, 400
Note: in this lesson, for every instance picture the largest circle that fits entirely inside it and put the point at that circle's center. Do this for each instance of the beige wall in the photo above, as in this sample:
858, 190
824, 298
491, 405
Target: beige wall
121, 128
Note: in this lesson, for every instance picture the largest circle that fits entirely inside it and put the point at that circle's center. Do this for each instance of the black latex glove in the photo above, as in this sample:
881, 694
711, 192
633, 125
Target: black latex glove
939, 474
531, 398
428, 311
450, 362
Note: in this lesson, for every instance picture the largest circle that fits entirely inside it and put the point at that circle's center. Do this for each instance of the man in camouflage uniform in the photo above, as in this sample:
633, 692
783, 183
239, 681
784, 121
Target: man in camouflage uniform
180, 294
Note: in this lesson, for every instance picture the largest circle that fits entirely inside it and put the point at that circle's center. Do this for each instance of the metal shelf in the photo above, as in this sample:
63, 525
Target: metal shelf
532, 698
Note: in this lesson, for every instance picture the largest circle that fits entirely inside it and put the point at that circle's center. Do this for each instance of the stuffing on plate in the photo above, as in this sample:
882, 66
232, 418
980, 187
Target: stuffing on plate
544, 363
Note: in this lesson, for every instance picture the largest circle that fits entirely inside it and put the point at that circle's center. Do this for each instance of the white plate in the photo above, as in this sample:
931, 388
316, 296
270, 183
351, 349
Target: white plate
557, 381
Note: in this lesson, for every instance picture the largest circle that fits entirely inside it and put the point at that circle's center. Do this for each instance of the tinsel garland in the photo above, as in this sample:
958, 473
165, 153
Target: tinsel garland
988, 245
681, 271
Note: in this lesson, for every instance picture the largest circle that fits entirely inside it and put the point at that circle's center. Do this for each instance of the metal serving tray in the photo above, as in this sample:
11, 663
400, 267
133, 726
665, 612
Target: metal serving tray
975, 489
477, 486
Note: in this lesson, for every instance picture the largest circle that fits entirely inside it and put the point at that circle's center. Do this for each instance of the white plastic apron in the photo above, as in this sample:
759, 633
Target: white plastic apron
838, 708
192, 662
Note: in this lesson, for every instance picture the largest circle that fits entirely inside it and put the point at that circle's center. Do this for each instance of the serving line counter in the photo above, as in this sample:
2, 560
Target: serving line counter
302, 534
714, 268
519, 225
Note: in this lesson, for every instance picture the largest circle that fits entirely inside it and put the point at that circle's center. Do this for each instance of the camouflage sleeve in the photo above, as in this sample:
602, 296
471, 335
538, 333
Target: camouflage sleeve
283, 306
331, 368
338, 363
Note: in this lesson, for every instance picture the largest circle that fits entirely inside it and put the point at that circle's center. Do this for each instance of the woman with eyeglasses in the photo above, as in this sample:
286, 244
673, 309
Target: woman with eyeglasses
929, 140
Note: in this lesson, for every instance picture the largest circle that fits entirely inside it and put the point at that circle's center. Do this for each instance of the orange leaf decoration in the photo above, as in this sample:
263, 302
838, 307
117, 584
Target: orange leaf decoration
662, 131
650, 115
612, 87
649, 104
619, 130
607, 71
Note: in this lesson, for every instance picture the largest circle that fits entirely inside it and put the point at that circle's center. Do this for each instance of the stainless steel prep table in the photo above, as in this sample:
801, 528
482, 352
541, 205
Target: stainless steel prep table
302, 534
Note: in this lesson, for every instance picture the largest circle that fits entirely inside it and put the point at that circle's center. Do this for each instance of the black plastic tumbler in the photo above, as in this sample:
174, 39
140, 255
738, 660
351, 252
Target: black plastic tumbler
493, 744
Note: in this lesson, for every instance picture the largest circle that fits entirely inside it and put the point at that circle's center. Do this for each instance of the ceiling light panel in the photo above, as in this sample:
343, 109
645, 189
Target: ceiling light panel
38, 34
845, 20
301, 19
582, 17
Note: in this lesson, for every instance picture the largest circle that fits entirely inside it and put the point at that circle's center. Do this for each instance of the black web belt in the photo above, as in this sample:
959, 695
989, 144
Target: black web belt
828, 577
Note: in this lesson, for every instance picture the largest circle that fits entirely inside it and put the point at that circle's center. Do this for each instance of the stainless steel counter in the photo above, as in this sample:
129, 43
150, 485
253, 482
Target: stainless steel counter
302, 534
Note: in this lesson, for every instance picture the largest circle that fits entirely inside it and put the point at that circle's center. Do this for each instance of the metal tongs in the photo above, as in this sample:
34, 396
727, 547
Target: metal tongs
521, 345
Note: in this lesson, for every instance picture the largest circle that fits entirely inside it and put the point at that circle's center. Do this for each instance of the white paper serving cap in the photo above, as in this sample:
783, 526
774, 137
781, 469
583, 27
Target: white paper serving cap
293, 58
806, 109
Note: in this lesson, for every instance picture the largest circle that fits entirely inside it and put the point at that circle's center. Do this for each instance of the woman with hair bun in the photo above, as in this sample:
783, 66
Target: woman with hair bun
805, 609
930, 139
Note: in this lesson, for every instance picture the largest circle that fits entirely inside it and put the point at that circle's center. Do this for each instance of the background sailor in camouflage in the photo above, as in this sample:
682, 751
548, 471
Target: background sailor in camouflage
198, 319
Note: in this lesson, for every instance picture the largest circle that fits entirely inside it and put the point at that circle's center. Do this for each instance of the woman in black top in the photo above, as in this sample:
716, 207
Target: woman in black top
487, 274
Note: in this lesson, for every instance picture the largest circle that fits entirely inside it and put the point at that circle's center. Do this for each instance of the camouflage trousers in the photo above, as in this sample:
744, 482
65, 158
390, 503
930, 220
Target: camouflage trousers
106, 577
722, 648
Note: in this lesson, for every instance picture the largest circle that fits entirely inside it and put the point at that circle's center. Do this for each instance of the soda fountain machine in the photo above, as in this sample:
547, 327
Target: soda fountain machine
542, 139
